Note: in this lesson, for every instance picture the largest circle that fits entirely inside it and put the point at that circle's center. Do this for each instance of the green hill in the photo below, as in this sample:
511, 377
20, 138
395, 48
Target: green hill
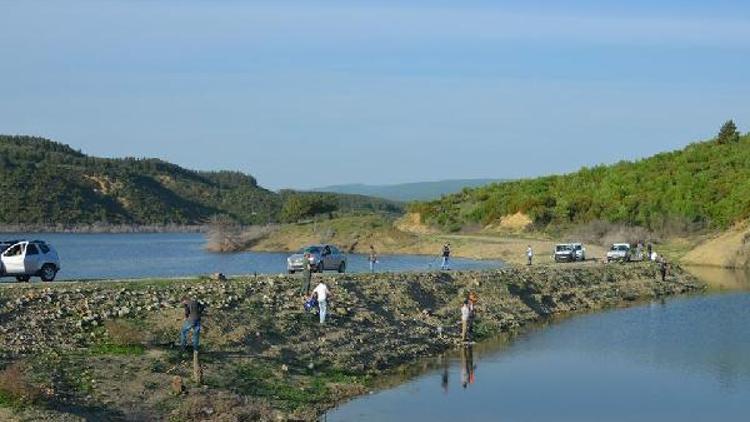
705, 185
418, 191
48, 183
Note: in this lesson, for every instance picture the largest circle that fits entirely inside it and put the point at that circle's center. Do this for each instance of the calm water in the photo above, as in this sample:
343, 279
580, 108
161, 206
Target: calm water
686, 359
87, 256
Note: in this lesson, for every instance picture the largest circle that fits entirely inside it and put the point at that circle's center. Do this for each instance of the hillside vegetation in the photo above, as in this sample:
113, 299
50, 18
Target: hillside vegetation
705, 185
47, 183
418, 191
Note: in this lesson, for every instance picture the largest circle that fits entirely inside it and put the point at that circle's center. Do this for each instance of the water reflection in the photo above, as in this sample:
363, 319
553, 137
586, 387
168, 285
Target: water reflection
681, 359
467, 375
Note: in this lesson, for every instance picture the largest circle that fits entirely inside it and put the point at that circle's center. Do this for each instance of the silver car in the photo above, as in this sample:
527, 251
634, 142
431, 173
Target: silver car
23, 259
322, 257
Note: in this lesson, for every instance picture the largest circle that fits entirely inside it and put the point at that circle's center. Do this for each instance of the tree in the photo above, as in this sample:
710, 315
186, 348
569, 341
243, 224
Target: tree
728, 133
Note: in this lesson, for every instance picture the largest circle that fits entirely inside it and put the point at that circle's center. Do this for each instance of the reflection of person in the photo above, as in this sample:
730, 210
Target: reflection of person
467, 374
373, 259
444, 378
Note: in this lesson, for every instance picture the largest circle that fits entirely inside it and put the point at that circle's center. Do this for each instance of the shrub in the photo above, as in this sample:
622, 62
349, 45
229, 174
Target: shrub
15, 389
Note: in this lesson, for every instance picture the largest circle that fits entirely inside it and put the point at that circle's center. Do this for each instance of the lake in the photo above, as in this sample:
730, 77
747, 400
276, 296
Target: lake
92, 256
683, 359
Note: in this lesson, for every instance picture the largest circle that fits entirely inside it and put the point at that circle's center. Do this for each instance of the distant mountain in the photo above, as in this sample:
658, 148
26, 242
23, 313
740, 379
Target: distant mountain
48, 183
418, 191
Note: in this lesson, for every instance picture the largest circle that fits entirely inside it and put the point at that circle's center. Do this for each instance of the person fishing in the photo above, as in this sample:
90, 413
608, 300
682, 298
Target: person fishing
193, 312
306, 275
446, 256
372, 259
322, 293
529, 254
663, 269
465, 312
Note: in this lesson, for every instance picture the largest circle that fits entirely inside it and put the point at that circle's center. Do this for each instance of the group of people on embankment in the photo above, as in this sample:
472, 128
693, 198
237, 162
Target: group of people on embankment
319, 297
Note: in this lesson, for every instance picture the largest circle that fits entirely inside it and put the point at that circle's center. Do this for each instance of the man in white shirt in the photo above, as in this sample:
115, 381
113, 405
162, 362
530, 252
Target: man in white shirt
322, 292
529, 254
465, 311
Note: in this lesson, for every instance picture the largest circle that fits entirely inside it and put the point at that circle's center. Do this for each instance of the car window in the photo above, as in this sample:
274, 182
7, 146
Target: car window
44, 248
334, 250
32, 250
310, 249
15, 250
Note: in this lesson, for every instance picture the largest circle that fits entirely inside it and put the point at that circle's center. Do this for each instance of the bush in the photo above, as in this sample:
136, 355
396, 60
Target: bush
124, 333
15, 389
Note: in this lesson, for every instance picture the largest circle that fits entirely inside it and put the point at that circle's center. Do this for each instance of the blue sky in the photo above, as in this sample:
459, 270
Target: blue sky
305, 94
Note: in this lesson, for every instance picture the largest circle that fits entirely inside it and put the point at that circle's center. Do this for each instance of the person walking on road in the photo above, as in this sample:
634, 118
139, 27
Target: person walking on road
465, 312
529, 254
446, 256
193, 313
323, 294
306, 275
373, 259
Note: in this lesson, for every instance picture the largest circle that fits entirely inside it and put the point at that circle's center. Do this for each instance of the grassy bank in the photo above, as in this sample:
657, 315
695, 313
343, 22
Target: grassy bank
102, 350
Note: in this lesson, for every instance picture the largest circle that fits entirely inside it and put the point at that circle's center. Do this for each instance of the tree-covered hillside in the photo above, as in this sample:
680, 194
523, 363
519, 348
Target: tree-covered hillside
705, 185
48, 183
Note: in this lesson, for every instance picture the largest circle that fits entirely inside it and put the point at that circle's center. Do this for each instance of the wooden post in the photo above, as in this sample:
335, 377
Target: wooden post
197, 371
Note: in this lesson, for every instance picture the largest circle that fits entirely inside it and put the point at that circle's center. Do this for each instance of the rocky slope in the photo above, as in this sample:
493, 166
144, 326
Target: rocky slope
103, 350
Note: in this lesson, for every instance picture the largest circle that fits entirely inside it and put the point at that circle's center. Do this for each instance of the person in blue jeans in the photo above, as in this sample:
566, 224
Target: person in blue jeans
193, 311
323, 294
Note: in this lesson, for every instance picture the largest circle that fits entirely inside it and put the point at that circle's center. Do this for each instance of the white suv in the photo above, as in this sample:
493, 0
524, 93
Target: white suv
23, 259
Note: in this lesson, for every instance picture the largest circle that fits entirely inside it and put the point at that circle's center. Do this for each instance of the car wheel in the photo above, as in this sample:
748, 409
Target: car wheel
342, 267
291, 271
48, 272
23, 278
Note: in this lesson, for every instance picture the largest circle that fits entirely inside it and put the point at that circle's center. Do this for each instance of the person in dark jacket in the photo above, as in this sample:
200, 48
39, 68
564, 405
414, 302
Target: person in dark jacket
663, 268
193, 313
306, 275
446, 256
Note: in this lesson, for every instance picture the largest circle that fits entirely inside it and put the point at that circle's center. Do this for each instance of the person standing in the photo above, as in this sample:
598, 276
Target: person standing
446, 256
193, 312
465, 312
472, 315
529, 254
663, 268
306, 275
373, 259
323, 294
649, 249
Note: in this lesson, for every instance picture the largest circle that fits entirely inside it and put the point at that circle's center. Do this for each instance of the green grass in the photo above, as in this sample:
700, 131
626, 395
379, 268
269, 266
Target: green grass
290, 391
117, 349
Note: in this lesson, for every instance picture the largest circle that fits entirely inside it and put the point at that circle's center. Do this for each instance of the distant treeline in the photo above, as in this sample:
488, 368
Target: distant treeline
705, 185
48, 184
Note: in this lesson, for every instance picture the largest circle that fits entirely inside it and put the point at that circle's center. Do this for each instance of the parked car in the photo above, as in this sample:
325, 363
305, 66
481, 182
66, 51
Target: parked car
564, 252
619, 252
23, 259
322, 257
580, 251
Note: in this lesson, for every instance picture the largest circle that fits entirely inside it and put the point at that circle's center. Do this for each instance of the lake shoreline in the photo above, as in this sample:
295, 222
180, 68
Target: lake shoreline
260, 349
101, 229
